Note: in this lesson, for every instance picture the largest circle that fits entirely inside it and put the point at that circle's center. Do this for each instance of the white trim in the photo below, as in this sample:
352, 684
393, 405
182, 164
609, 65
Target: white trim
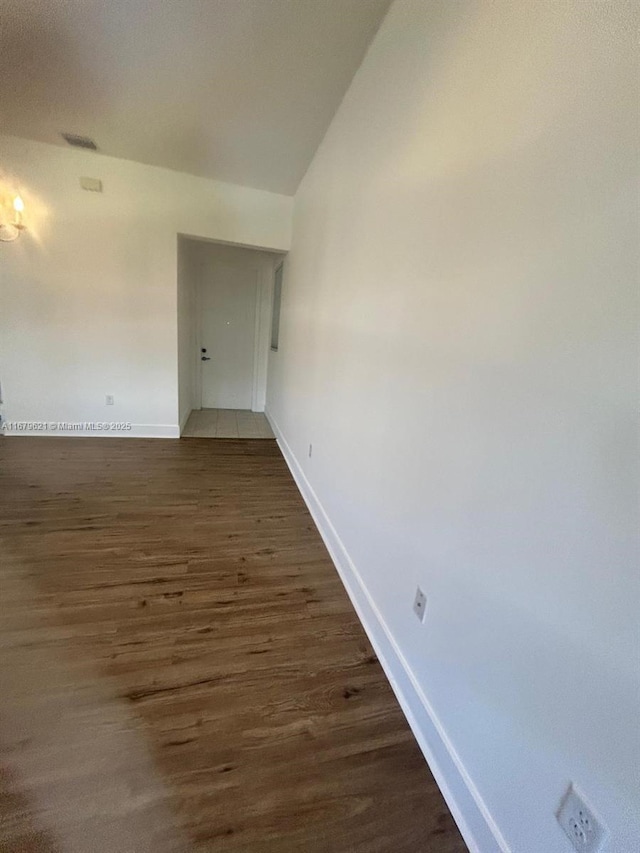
474, 820
184, 419
136, 431
256, 341
277, 267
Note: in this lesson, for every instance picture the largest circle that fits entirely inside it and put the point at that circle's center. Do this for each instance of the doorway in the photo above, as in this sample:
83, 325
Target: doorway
225, 297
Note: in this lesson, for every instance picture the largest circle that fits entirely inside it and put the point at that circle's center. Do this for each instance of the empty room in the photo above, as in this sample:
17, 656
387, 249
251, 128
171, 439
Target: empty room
319, 470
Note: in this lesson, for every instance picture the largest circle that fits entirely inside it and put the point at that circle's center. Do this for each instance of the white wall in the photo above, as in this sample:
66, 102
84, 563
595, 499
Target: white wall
88, 295
459, 343
187, 329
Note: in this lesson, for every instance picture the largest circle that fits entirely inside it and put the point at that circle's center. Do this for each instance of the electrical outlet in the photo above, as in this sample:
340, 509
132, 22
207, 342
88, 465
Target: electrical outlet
310, 450
581, 826
109, 400
420, 604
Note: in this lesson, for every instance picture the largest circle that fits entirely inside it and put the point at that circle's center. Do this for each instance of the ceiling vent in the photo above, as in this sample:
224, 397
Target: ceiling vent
80, 141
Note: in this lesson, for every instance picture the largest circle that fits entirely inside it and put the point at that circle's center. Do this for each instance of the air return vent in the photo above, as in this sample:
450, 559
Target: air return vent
80, 141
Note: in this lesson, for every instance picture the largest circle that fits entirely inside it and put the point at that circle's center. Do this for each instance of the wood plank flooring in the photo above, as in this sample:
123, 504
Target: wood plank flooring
180, 667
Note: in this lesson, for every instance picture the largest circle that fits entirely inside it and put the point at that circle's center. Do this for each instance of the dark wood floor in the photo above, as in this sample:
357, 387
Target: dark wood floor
181, 668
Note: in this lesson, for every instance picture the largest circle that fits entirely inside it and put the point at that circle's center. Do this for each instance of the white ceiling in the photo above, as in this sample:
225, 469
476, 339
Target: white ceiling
239, 90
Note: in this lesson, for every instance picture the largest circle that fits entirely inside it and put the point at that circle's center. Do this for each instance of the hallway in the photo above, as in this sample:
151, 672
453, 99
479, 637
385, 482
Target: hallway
181, 667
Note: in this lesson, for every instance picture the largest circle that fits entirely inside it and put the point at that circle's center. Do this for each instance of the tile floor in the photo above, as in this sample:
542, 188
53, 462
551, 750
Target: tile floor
227, 423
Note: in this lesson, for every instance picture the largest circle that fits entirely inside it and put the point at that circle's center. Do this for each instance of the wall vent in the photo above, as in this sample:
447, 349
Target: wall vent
80, 141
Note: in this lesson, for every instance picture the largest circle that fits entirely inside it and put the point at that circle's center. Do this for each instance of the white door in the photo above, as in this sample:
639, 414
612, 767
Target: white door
227, 334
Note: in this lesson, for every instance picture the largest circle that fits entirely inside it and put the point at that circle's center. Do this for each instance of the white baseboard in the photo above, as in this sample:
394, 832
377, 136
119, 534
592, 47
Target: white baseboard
136, 431
476, 825
155, 431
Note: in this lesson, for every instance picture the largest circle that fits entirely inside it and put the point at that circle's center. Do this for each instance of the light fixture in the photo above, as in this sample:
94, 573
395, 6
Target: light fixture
10, 228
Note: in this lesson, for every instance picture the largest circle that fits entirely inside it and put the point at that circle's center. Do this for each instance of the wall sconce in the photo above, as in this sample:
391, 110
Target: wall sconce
10, 228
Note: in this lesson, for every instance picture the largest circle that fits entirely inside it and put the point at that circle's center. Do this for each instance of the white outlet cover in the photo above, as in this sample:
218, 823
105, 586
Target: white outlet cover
581, 826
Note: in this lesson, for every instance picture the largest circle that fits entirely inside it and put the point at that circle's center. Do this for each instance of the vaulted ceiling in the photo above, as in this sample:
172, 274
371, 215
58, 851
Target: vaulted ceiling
238, 90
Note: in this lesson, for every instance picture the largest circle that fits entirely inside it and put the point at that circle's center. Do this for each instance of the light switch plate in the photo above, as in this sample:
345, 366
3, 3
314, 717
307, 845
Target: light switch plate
94, 185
